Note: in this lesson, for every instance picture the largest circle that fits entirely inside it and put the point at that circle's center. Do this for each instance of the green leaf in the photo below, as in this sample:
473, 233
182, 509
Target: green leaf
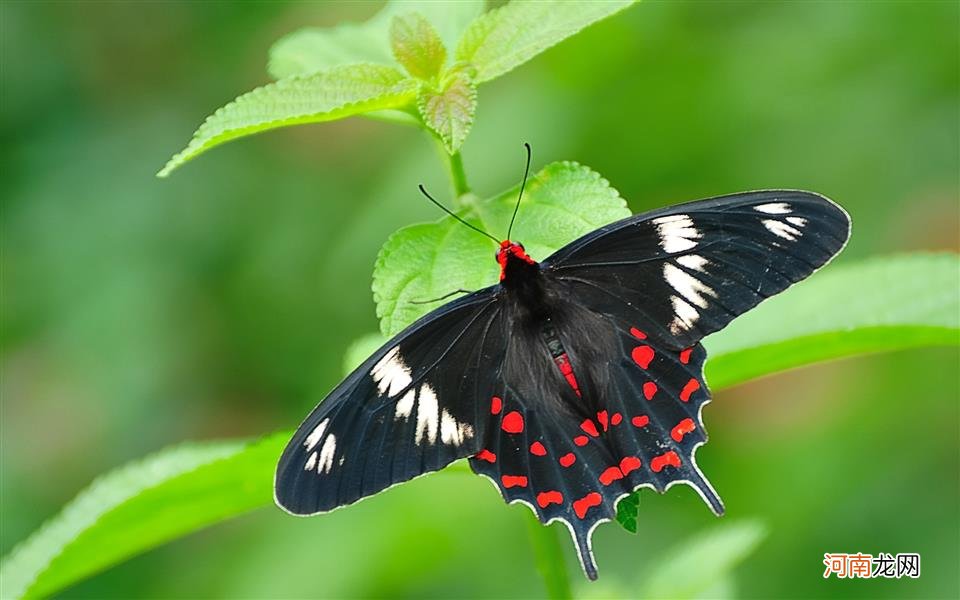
844, 310
509, 36
885, 303
360, 349
449, 112
417, 46
699, 564
139, 506
425, 261
628, 509
314, 49
335, 94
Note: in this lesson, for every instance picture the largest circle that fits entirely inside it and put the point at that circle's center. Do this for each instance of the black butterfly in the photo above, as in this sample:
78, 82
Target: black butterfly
574, 381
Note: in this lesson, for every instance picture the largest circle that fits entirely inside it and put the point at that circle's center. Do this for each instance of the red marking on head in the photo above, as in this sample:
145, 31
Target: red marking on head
666, 459
584, 504
568, 459
510, 481
642, 355
649, 390
629, 463
496, 405
616, 419
486, 455
637, 333
685, 355
603, 419
640, 421
512, 422
692, 386
545, 499
682, 428
581, 440
537, 449
508, 249
588, 427
610, 474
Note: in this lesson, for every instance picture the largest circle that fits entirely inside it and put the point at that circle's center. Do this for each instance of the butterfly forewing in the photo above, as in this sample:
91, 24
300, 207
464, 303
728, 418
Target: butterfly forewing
409, 409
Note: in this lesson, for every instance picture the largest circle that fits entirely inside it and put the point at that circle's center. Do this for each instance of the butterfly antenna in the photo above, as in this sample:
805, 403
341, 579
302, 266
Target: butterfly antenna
523, 184
450, 212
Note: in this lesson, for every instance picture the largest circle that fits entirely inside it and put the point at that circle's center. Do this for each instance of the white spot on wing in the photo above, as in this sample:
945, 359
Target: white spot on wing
685, 315
390, 373
774, 208
315, 435
694, 262
677, 233
781, 229
427, 415
326, 454
453, 432
311, 462
405, 405
798, 221
687, 285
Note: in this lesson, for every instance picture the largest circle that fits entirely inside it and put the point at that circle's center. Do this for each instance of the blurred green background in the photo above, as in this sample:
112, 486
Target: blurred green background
137, 312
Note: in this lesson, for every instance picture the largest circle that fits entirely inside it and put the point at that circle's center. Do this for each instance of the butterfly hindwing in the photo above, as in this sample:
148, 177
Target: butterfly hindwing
407, 410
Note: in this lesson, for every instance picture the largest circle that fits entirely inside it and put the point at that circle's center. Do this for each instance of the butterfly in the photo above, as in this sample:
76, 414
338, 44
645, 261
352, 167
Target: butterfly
574, 381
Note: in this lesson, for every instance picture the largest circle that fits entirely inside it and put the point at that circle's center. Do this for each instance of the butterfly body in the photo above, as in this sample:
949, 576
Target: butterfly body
573, 381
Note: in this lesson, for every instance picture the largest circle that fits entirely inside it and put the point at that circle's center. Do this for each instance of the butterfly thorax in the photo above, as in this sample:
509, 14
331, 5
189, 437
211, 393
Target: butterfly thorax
515, 264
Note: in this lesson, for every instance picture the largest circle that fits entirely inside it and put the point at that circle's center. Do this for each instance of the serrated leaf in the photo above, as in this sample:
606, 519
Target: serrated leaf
316, 49
335, 94
417, 46
507, 37
138, 506
702, 562
449, 112
420, 262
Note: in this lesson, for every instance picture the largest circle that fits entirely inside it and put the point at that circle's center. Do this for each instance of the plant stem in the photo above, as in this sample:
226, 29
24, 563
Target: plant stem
549, 558
457, 176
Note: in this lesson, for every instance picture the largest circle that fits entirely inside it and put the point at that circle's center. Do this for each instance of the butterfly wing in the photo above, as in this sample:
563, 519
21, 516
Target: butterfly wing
409, 409
687, 270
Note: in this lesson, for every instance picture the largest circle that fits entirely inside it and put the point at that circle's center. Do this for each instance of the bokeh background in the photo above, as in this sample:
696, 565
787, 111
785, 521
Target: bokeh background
137, 312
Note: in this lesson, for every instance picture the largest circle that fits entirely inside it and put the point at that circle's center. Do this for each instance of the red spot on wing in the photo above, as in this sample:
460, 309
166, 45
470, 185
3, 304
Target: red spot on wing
685, 355
649, 390
610, 475
640, 421
496, 405
581, 440
629, 464
616, 419
510, 481
590, 428
692, 386
486, 455
637, 333
666, 459
512, 422
545, 499
537, 449
682, 428
584, 504
603, 419
568, 459
642, 355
